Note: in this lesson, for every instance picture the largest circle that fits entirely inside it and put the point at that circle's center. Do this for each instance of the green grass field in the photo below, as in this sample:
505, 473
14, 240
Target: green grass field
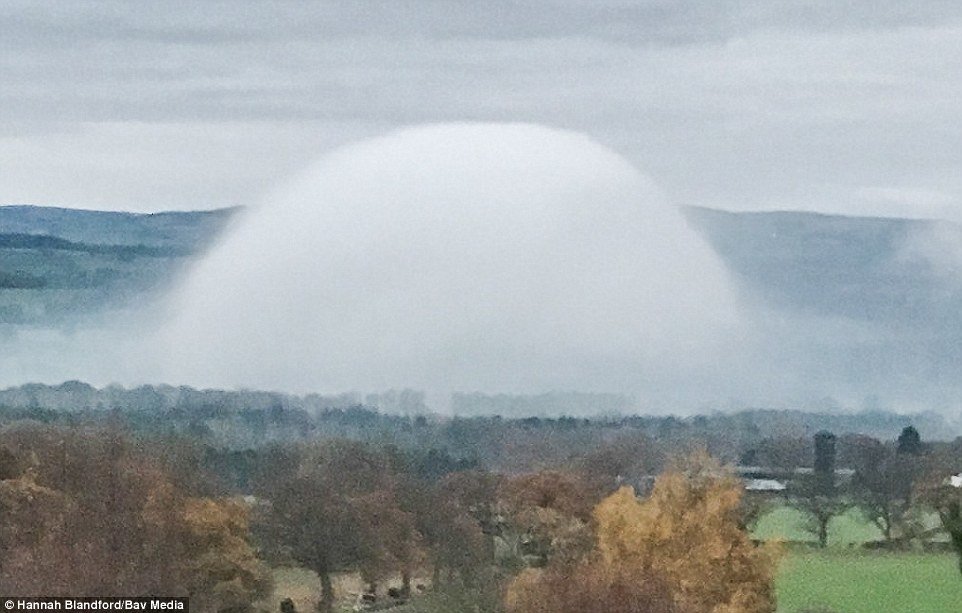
784, 523
859, 582
848, 579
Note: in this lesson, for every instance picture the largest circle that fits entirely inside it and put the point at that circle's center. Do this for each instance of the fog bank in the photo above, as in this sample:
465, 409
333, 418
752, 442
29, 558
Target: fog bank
492, 257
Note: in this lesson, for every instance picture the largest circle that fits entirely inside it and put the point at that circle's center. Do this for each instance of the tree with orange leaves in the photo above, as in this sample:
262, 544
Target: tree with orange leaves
685, 539
223, 572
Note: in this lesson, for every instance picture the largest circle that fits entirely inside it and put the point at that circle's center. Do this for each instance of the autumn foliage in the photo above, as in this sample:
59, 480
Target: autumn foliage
681, 550
86, 514
587, 587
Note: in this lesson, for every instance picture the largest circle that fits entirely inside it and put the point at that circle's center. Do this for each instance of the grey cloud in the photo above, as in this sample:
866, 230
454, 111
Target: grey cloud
645, 21
735, 104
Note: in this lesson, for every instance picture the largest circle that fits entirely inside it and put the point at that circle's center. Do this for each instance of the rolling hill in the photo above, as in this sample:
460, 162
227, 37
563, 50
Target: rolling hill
57, 263
62, 266
860, 268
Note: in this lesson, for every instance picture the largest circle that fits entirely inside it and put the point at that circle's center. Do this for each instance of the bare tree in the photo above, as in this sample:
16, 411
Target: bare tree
807, 494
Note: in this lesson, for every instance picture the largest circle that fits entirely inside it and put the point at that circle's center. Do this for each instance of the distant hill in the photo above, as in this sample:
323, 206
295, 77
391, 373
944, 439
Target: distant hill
57, 263
60, 266
187, 230
867, 308
862, 268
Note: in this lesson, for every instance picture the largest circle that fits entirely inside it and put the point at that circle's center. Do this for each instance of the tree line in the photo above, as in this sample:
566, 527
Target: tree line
99, 511
97, 503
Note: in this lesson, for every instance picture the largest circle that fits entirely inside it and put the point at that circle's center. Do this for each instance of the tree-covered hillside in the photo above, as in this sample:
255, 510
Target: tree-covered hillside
185, 230
867, 269
60, 266
863, 268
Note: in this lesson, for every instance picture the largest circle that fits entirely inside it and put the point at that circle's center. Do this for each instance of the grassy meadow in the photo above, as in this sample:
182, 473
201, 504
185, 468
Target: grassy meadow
847, 530
864, 582
848, 579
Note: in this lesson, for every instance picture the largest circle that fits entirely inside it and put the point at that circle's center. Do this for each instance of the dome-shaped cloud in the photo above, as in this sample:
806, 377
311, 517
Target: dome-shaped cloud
468, 256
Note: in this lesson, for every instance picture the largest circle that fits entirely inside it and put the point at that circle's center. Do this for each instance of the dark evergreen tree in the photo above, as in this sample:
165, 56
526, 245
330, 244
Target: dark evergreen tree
910, 443
825, 462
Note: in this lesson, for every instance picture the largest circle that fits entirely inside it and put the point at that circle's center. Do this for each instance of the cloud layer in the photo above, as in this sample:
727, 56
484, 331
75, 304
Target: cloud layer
842, 107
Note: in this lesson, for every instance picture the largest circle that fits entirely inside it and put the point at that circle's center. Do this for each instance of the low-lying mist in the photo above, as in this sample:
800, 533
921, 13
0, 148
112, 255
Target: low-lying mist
500, 259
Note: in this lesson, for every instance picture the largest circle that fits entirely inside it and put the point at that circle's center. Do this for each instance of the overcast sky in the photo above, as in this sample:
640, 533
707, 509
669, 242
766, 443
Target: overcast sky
851, 107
